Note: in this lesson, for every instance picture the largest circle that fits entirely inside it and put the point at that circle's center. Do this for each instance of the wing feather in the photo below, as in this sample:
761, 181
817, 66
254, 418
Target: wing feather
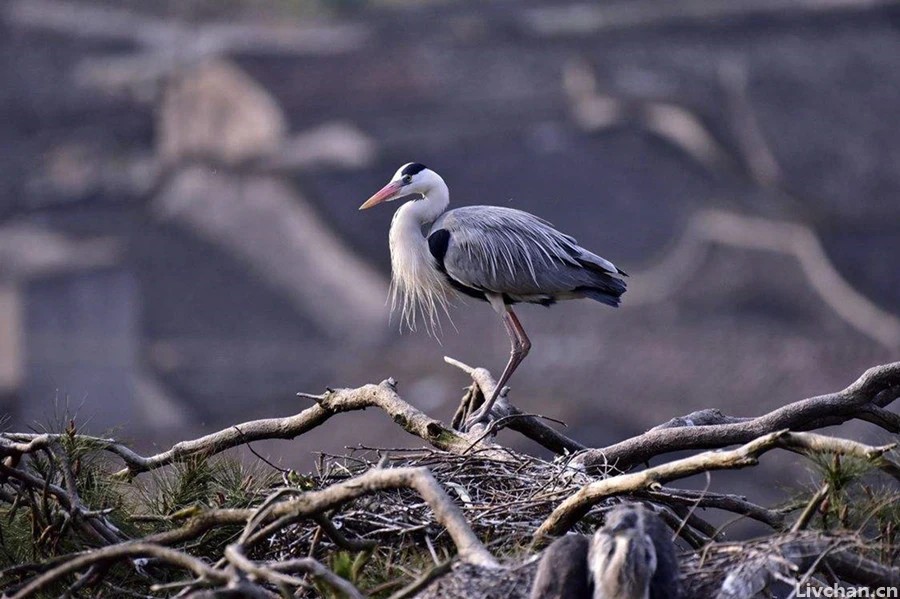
507, 251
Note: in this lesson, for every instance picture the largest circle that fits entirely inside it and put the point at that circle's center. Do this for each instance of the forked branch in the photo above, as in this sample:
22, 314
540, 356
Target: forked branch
273, 515
865, 399
577, 505
334, 401
530, 426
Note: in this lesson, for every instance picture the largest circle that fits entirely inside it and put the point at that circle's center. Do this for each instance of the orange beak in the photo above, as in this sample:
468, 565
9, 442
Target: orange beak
386, 193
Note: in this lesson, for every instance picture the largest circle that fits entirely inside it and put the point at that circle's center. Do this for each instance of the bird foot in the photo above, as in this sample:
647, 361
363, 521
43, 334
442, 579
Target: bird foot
483, 417
476, 423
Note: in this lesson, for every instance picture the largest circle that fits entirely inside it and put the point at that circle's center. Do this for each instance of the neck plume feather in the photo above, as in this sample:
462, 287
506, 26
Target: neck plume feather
418, 288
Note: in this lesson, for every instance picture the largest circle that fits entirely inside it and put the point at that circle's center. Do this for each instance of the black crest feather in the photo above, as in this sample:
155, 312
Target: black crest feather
413, 168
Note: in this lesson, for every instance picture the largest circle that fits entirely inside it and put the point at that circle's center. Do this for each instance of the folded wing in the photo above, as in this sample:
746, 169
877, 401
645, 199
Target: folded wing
508, 252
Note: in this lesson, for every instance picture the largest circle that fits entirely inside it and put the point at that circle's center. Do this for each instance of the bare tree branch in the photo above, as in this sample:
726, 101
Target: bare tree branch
39, 473
118, 552
810, 510
530, 426
876, 388
383, 396
728, 503
93, 524
577, 505
788, 556
283, 509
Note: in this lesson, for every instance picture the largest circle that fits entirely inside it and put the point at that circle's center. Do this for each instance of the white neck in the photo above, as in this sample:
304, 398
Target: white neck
416, 283
425, 211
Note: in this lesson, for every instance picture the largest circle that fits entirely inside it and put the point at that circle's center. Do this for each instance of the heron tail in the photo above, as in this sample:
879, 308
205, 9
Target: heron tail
604, 289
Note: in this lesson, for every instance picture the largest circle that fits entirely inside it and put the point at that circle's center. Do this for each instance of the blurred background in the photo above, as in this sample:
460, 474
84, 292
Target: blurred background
180, 247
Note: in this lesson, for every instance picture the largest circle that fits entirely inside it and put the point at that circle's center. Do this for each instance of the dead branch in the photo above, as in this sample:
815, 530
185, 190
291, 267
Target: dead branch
275, 573
312, 503
283, 508
114, 553
754, 564
530, 426
683, 529
850, 566
316, 570
728, 503
573, 508
94, 525
810, 510
339, 539
333, 401
865, 399
490, 482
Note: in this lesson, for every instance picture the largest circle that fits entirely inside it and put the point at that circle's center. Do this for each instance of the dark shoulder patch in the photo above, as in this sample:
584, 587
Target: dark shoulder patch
437, 244
412, 168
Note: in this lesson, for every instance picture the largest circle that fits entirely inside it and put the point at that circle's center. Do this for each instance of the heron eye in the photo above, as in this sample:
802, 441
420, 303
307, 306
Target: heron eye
407, 179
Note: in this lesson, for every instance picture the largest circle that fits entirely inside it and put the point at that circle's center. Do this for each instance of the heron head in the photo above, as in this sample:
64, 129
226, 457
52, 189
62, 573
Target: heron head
412, 179
622, 564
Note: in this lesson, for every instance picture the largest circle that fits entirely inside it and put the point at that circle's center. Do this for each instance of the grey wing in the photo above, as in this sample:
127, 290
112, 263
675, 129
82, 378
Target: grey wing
518, 255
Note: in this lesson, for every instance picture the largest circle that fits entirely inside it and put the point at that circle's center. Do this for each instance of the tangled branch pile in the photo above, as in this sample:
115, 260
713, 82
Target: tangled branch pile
461, 517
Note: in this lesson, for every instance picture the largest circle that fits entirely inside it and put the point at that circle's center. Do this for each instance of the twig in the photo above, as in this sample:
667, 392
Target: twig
424, 580
339, 539
707, 529
811, 507
236, 557
467, 405
264, 460
93, 524
694, 538
729, 503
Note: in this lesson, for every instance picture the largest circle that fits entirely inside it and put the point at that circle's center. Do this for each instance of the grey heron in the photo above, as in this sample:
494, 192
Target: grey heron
631, 557
563, 570
501, 255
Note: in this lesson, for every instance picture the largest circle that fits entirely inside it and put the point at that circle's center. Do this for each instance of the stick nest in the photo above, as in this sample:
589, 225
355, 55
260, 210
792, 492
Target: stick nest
504, 498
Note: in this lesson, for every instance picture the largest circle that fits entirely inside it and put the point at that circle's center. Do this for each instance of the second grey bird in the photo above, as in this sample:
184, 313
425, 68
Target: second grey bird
501, 255
631, 557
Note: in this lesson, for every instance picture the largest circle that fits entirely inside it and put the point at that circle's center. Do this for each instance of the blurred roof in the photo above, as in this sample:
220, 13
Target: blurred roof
477, 92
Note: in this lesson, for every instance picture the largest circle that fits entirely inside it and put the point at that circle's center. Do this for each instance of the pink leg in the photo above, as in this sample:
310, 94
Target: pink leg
520, 346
